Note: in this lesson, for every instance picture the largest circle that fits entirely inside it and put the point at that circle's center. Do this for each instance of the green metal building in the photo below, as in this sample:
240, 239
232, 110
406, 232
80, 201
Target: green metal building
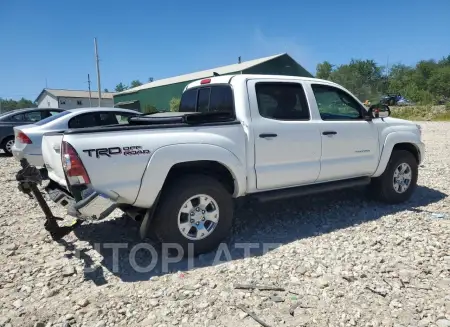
159, 93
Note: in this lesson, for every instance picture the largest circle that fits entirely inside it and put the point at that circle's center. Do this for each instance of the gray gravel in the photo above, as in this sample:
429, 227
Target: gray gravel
342, 260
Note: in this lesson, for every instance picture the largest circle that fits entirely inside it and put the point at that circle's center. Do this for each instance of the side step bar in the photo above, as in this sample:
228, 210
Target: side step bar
311, 189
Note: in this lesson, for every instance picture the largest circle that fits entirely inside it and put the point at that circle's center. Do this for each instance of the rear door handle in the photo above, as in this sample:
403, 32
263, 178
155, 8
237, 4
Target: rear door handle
329, 133
267, 135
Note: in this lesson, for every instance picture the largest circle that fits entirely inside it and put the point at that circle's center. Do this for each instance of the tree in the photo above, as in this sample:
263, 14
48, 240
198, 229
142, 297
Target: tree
174, 104
150, 79
135, 83
364, 78
121, 87
323, 70
105, 90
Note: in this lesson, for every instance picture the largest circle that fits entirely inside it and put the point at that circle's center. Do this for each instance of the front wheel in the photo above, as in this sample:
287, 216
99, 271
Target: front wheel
399, 180
196, 212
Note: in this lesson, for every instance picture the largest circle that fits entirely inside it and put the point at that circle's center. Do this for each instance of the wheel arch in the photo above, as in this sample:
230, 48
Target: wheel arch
398, 141
171, 161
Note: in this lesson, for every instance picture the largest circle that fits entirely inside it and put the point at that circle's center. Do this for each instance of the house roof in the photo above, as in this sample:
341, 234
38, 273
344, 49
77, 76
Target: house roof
204, 73
75, 94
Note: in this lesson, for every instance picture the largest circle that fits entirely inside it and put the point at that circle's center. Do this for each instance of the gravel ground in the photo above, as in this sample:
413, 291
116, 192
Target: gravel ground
342, 259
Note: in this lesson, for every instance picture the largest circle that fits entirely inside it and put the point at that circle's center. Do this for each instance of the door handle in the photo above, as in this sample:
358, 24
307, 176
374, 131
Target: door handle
267, 135
329, 133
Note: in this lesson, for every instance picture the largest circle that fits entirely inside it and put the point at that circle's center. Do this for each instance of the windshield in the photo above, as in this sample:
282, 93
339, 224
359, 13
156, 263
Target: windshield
51, 118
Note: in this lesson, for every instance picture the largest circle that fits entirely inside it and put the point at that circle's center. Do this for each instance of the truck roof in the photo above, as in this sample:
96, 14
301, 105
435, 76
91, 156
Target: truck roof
225, 79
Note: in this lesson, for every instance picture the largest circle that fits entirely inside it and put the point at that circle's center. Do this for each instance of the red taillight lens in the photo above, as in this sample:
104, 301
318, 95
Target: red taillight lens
23, 138
205, 81
72, 165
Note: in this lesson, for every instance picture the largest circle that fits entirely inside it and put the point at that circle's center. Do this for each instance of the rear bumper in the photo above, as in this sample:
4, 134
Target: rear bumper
93, 205
96, 205
34, 157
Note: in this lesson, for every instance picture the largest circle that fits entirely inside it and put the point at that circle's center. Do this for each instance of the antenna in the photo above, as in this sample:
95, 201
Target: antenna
89, 86
98, 73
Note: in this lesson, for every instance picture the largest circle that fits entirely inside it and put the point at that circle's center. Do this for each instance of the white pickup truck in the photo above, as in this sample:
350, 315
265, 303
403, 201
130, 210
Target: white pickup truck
268, 137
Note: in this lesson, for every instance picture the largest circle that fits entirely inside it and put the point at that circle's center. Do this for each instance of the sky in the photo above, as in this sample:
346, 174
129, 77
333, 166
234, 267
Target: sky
51, 42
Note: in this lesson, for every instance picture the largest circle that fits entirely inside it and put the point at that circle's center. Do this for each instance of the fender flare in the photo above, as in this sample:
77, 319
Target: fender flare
164, 158
392, 139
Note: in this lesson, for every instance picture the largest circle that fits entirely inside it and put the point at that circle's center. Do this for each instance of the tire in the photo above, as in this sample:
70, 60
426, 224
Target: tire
175, 197
6, 145
384, 188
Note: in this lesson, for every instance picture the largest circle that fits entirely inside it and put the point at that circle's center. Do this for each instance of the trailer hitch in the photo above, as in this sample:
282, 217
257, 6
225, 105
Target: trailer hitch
29, 178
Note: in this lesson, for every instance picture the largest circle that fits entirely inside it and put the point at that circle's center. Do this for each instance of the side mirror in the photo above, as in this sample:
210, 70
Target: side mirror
379, 111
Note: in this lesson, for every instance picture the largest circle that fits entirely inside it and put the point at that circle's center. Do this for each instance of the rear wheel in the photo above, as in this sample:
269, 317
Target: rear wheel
399, 180
195, 212
7, 145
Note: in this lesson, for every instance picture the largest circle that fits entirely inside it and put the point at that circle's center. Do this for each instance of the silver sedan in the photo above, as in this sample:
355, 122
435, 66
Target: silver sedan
28, 138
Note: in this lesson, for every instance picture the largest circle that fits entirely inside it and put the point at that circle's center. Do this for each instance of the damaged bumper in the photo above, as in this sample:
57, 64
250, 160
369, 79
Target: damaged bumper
93, 204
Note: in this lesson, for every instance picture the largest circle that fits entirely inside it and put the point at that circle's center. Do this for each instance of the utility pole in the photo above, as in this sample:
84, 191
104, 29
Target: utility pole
98, 74
89, 86
387, 73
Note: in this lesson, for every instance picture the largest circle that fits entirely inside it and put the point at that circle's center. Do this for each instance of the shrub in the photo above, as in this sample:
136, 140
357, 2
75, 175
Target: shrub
174, 104
149, 109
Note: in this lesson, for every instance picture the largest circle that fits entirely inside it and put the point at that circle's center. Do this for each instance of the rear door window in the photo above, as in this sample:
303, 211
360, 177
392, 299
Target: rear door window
34, 116
18, 117
83, 120
107, 118
282, 101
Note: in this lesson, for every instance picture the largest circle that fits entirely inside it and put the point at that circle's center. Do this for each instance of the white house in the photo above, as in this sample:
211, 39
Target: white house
69, 99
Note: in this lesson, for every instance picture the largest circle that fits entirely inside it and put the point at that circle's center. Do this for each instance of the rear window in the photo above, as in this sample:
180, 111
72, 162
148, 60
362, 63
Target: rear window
52, 118
215, 98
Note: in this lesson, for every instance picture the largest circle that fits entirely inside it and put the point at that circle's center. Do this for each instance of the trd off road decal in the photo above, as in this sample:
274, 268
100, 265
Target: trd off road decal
125, 151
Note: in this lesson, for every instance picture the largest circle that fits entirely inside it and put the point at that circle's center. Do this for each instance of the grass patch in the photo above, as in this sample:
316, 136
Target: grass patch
429, 113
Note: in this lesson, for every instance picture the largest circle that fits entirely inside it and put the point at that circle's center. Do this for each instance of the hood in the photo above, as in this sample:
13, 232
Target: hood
397, 121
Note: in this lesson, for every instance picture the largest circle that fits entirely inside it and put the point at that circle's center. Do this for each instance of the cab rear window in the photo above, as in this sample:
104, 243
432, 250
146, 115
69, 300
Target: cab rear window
214, 98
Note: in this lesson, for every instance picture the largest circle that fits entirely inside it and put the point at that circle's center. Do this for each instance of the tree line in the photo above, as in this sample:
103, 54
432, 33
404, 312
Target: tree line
135, 83
10, 104
426, 82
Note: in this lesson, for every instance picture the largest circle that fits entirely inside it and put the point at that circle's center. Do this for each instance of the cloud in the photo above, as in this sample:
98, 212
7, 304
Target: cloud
270, 45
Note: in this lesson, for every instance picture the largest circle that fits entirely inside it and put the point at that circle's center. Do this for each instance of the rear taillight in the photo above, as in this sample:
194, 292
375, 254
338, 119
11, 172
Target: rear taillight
72, 165
23, 138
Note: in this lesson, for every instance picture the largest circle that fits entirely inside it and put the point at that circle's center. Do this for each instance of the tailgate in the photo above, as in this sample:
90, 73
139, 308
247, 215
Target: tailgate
51, 153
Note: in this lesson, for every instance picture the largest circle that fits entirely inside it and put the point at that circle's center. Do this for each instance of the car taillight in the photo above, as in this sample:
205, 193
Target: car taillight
23, 138
72, 165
